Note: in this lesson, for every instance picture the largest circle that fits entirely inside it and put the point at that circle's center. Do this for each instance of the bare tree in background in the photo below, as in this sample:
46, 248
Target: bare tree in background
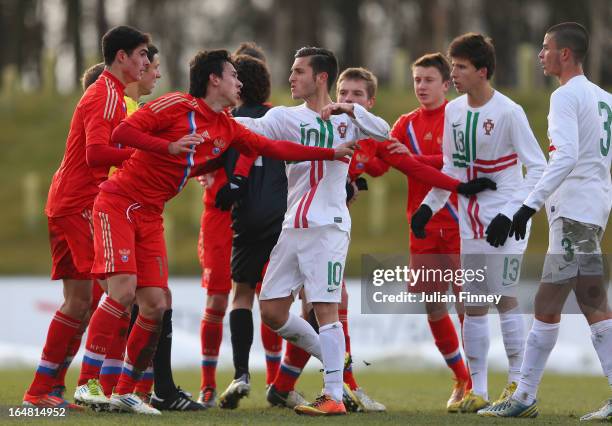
503, 24
74, 14
351, 25
101, 21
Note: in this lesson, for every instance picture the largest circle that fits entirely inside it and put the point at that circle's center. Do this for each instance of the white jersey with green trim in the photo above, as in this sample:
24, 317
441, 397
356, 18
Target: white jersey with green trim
493, 141
316, 189
576, 183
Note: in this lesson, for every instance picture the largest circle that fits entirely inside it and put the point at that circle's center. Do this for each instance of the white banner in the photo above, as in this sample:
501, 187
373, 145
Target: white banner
385, 341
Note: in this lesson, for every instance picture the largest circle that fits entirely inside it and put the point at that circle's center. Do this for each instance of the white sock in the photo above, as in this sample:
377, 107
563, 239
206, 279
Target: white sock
601, 336
332, 348
299, 332
513, 333
476, 347
540, 343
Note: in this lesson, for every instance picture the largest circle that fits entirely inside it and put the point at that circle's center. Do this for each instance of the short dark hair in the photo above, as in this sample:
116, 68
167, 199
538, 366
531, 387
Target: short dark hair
202, 65
122, 38
152, 51
91, 75
250, 48
436, 60
477, 49
573, 36
255, 79
362, 74
321, 60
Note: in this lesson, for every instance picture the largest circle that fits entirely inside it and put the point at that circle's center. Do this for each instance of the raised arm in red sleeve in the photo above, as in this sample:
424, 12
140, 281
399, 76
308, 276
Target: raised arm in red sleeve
434, 160
126, 134
106, 155
421, 172
244, 164
250, 143
376, 167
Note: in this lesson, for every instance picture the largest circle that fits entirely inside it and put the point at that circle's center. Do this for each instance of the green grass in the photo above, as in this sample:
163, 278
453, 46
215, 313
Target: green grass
410, 397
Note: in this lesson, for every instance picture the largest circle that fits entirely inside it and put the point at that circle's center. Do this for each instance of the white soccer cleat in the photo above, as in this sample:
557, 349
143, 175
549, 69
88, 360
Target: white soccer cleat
91, 394
603, 414
131, 403
368, 404
238, 389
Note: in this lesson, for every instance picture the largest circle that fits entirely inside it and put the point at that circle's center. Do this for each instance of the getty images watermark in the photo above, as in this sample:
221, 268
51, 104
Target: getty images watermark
399, 284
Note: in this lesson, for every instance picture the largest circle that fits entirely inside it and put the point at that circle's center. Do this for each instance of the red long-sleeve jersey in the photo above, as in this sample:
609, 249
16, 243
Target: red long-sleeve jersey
153, 177
75, 184
421, 131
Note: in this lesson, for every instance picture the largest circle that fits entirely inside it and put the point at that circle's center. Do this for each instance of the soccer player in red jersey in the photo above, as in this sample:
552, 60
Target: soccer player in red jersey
421, 132
85, 165
128, 230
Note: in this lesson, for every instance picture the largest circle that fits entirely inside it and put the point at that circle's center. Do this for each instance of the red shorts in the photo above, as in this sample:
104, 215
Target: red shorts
215, 250
72, 251
438, 254
129, 239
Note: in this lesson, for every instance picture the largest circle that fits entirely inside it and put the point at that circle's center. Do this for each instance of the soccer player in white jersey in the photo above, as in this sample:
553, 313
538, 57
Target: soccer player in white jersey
486, 134
313, 243
577, 193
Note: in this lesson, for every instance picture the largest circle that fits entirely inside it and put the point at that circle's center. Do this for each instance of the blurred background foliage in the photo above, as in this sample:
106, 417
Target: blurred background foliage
48, 43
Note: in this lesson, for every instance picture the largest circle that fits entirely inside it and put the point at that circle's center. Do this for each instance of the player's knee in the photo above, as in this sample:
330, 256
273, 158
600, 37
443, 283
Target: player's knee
271, 318
217, 302
77, 305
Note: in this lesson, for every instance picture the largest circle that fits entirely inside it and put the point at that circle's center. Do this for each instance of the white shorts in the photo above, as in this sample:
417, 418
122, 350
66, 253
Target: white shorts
574, 248
496, 270
310, 257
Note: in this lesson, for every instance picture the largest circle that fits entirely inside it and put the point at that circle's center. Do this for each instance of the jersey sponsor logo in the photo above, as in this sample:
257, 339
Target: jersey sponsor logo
205, 134
219, 144
488, 126
337, 219
428, 136
361, 157
456, 124
342, 130
303, 124
125, 255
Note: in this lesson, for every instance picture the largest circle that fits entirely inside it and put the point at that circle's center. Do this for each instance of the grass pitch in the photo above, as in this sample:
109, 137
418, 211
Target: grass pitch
410, 397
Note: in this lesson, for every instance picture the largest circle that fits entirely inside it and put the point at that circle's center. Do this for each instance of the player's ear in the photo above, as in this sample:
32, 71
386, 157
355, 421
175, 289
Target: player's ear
446, 86
322, 77
371, 101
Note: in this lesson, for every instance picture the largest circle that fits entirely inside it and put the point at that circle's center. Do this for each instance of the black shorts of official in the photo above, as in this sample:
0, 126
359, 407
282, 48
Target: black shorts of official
249, 259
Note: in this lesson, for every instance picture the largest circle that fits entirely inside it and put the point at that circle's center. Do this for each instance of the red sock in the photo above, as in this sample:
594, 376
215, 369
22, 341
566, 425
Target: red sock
211, 333
141, 347
447, 342
348, 377
61, 332
75, 343
145, 384
113, 361
273, 345
290, 369
103, 326
73, 348
469, 383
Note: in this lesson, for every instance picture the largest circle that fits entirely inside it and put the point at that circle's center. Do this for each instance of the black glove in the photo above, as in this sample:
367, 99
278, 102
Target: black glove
475, 186
231, 192
419, 220
519, 222
350, 191
362, 184
498, 229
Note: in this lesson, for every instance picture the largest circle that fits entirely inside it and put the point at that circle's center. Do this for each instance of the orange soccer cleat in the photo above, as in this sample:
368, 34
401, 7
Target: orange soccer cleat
49, 401
324, 405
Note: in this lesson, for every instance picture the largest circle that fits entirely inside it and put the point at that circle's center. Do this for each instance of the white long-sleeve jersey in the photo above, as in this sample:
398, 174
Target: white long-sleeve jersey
316, 189
492, 141
576, 183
